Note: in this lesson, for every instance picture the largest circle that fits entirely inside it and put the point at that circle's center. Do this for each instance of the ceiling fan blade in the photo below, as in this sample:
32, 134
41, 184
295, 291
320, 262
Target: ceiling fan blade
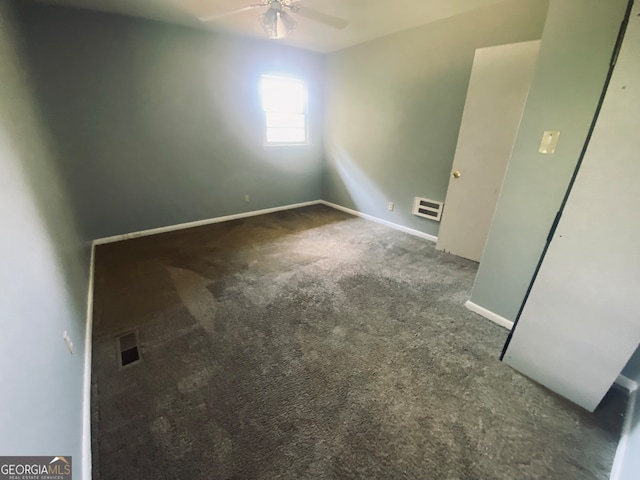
320, 17
209, 18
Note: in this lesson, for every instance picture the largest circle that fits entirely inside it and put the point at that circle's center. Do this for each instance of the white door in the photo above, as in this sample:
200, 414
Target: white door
581, 324
498, 89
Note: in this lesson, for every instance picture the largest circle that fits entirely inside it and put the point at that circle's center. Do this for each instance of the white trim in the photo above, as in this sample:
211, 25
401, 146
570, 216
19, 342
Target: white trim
626, 383
621, 451
622, 381
199, 223
395, 226
86, 400
488, 314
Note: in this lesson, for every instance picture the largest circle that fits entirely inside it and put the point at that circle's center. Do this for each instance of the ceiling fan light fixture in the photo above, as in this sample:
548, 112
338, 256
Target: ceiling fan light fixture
277, 24
289, 23
268, 22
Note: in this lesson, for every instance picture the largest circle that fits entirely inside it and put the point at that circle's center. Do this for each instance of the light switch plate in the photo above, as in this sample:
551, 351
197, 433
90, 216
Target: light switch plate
549, 142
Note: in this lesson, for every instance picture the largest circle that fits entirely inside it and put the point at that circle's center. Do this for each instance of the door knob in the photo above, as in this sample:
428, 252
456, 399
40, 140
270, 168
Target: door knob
455, 174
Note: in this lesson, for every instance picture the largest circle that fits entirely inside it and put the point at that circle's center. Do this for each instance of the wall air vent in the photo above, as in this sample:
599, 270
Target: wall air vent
423, 207
127, 348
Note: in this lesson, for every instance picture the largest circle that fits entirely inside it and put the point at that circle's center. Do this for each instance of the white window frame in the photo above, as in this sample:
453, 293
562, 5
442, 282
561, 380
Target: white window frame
304, 112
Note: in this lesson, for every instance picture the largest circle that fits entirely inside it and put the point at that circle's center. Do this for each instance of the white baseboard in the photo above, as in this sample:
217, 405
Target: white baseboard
622, 381
86, 401
622, 450
626, 383
489, 315
395, 226
86, 407
209, 221
199, 223
86, 394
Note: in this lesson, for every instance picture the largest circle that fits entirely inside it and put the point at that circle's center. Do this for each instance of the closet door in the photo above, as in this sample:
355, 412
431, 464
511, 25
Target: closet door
581, 322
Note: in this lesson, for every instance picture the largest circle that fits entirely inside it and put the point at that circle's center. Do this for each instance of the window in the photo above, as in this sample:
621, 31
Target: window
284, 101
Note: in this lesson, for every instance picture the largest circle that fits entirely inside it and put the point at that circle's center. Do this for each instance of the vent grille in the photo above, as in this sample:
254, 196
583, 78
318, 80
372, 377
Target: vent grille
127, 348
431, 209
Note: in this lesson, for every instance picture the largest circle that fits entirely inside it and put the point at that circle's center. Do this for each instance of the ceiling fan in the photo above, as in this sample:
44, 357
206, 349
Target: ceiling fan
277, 23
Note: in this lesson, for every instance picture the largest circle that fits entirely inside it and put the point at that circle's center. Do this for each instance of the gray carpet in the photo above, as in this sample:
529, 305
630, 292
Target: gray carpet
310, 344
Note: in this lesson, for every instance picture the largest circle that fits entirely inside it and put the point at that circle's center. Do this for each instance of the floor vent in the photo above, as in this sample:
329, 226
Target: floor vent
423, 207
127, 347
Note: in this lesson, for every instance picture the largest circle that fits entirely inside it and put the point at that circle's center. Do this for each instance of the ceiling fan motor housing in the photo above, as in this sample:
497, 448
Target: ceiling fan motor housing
276, 5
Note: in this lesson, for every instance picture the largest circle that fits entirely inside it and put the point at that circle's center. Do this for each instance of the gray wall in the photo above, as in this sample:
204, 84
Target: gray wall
394, 107
159, 124
576, 48
43, 278
632, 369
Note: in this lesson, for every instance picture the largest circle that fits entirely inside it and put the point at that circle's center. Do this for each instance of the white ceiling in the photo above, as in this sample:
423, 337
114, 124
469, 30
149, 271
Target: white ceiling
368, 19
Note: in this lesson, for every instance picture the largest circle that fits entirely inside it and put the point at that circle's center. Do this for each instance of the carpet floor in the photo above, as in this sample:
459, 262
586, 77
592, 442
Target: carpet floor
310, 344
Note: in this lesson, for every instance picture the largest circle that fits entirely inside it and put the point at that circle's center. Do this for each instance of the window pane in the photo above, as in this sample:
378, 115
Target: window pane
286, 135
285, 120
282, 95
284, 103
